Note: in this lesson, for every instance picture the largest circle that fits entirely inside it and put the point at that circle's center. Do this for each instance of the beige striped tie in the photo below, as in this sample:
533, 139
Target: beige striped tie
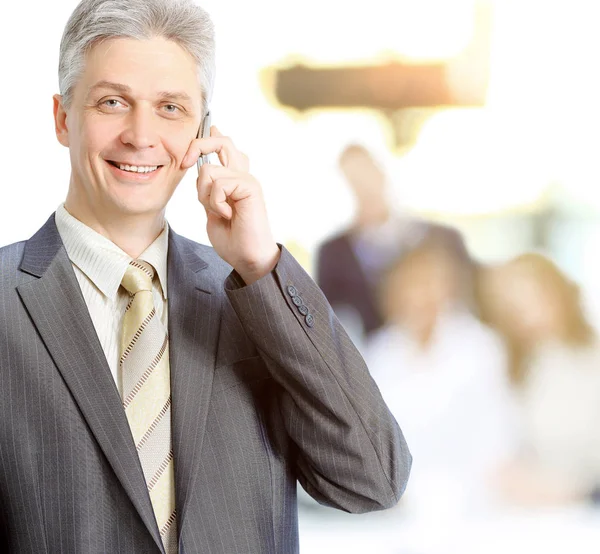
144, 365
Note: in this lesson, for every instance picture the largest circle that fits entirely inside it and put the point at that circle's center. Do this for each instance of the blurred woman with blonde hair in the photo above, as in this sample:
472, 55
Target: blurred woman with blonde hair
554, 361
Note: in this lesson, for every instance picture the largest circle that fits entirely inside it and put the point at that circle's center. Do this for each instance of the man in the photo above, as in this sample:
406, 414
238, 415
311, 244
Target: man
350, 265
116, 435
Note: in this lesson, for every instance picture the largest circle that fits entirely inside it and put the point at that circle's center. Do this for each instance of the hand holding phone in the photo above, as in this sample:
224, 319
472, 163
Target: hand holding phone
246, 243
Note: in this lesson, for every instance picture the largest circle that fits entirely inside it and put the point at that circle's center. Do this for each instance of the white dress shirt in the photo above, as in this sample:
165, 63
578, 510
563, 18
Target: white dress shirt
560, 403
453, 404
99, 266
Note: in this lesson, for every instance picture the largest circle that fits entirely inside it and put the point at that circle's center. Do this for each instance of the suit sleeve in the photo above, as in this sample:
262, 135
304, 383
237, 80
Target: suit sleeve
352, 454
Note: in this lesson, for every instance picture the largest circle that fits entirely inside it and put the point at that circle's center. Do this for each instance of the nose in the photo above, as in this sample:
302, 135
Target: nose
141, 130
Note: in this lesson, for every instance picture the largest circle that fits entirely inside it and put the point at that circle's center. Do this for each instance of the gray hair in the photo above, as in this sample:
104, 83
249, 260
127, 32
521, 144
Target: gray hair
94, 21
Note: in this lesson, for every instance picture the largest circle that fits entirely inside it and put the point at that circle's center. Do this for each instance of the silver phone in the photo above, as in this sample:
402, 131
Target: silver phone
204, 132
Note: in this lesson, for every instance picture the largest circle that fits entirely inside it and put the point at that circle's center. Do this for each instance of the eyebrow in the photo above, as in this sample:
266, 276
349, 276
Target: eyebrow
164, 95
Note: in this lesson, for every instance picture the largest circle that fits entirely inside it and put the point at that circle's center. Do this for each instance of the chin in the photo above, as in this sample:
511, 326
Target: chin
139, 206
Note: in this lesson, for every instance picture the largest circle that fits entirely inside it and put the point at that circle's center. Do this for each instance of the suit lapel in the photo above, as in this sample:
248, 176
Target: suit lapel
58, 310
194, 323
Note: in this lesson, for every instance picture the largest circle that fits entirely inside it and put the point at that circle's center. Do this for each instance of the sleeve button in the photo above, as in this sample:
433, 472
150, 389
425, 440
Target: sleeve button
292, 291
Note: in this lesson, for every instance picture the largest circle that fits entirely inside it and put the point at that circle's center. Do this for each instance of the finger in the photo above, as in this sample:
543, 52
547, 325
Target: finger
219, 187
226, 193
237, 159
204, 184
214, 173
219, 197
207, 175
204, 190
201, 146
228, 154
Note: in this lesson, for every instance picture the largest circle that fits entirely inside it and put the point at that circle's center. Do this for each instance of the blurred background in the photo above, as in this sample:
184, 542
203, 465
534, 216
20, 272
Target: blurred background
434, 166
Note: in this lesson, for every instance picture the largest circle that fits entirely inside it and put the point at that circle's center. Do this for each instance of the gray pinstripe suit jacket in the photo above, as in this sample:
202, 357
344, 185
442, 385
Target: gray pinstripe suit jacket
260, 399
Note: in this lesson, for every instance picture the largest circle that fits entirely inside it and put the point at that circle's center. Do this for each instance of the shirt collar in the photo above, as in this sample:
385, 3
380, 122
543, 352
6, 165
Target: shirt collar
101, 260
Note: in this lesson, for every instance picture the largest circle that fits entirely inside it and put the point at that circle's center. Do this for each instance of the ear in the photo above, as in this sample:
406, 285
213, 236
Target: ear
60, 120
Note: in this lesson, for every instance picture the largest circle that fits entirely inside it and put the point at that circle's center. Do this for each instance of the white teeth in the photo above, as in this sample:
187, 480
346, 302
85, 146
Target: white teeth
138, 169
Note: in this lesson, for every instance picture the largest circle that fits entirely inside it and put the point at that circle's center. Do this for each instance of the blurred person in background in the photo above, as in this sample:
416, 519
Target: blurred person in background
350, 264
555, 371
443, 374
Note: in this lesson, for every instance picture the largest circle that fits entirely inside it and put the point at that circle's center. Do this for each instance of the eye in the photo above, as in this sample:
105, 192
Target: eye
111, 103
171, 108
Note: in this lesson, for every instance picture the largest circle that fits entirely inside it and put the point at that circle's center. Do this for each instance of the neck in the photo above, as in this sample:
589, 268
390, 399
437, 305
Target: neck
423, 336
132, 233
366, 218
420, 332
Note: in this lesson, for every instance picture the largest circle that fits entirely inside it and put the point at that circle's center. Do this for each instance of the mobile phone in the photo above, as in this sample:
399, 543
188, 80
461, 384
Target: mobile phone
204, 132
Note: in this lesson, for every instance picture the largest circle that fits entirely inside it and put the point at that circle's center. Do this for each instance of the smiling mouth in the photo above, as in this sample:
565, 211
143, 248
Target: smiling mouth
134, 168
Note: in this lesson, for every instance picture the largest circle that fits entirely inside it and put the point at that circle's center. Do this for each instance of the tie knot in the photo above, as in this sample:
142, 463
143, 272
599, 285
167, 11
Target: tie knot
138, 277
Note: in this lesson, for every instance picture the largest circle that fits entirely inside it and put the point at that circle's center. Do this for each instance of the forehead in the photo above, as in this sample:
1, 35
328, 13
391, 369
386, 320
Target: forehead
357, 158
424, 264
145, 66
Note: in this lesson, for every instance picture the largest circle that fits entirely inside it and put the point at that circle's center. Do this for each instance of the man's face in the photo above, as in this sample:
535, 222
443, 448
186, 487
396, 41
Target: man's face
138, 103
364, 176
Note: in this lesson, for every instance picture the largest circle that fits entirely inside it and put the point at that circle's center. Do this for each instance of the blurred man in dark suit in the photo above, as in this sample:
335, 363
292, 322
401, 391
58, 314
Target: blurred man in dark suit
350, 264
